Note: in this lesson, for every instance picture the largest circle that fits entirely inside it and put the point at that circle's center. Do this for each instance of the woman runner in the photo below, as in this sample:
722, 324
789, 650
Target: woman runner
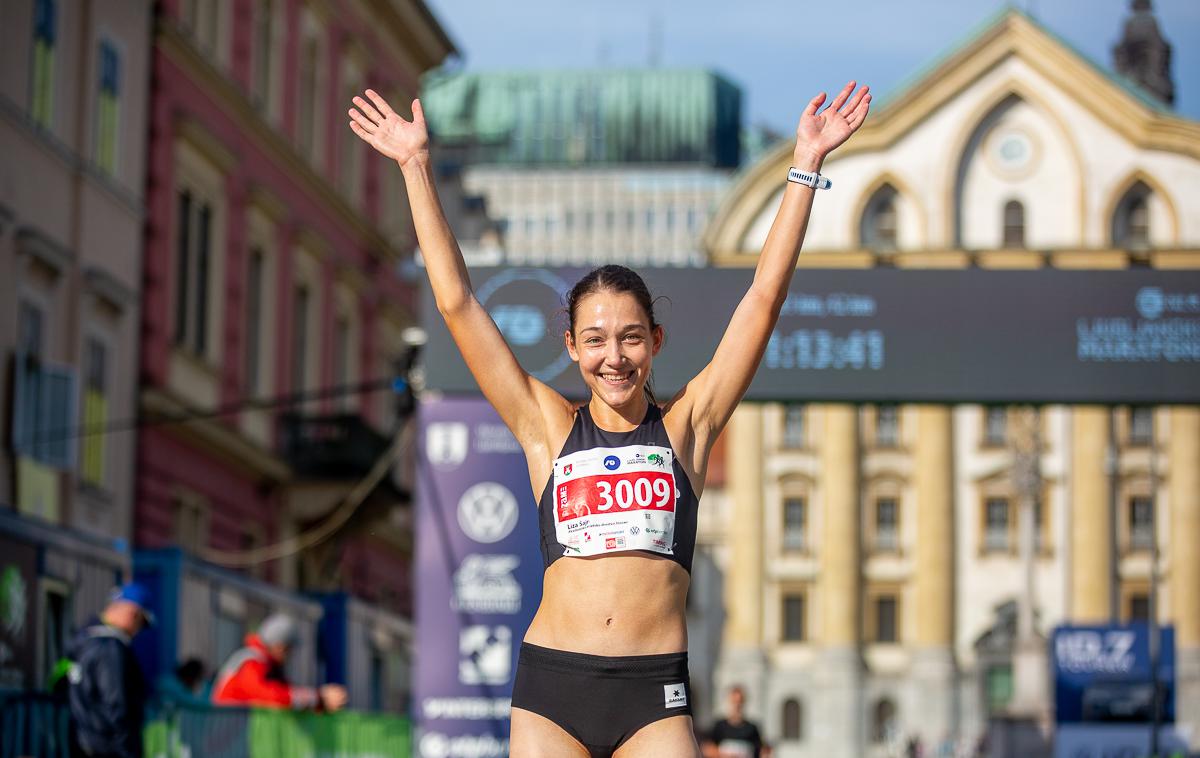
602, 670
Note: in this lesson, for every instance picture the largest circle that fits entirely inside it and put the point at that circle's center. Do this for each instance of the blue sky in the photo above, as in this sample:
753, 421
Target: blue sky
781, 52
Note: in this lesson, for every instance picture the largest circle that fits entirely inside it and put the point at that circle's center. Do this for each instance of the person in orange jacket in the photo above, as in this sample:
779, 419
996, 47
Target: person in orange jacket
254, 675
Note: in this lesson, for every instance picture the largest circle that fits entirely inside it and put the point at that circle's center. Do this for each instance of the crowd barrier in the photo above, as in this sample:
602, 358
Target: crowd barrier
35, 725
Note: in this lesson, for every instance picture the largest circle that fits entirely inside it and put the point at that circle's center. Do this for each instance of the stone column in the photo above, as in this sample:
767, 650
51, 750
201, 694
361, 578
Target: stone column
1183, 489
934, 668
1091, 517
839, 715
743, 661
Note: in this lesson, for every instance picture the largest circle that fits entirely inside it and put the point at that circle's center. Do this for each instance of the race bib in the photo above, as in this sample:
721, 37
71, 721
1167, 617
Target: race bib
609, 499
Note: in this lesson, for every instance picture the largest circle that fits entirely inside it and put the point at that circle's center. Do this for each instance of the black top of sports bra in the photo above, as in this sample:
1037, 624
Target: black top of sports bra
618, 491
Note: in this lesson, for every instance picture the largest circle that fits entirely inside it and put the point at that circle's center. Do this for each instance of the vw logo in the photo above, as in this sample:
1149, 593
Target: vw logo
487, 512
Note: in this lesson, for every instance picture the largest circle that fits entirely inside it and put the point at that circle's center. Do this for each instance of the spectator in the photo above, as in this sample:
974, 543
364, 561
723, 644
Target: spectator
187, 684
255, 674
106, 690
735, 736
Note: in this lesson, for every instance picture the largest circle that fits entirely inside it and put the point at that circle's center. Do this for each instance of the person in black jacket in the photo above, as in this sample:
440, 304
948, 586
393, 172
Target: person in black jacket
107, 691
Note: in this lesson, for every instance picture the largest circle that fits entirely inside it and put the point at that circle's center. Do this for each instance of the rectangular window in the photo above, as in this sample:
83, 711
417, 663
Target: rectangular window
254, 296
264, 52
193, 261
887, 518
45, 36
1141, 523
200, 324
795, 521
887, 426
95, 412
108, 108
341, 359
1139, 607
995, 427
306, 116
300, 340
793, 618
1141, 425
43, 399
183, 253
191, 523
793, 425
30, 330
649, 219
352, 147
996, 524
202, 19
886, 619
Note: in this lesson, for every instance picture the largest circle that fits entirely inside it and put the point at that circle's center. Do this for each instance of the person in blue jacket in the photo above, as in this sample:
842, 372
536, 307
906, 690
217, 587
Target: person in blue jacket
107, 691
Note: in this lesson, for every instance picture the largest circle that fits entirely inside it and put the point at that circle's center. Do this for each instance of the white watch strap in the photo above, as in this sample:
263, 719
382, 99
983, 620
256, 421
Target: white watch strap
808, 179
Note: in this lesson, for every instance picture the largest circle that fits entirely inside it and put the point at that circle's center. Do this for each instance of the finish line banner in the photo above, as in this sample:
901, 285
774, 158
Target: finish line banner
882, 335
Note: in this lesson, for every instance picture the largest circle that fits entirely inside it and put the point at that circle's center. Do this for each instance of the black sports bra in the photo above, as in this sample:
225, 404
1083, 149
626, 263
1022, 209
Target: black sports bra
618, 491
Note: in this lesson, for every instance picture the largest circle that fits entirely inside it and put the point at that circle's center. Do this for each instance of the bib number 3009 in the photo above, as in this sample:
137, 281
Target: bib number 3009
626, 493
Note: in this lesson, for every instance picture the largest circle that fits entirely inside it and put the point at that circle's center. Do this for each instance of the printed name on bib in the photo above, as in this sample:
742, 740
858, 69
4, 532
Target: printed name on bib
615, 498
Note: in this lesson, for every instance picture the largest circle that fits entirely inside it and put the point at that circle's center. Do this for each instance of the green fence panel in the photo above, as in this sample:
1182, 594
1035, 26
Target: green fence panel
188, 731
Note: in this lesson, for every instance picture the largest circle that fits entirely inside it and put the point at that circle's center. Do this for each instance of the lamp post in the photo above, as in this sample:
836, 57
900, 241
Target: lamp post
1029, 670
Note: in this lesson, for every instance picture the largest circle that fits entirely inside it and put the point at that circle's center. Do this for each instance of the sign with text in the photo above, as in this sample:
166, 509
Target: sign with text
478, 578
1103, 673
883, 335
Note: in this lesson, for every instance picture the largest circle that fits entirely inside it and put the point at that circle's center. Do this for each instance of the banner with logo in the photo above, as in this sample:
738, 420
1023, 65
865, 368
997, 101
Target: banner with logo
883, 335
1104, 673
478, 578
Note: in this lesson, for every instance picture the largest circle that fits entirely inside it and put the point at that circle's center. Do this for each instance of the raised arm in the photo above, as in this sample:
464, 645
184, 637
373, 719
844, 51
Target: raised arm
717, 389
519, 398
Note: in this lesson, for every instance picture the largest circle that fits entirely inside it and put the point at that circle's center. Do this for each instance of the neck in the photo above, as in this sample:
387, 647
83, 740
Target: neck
622, 419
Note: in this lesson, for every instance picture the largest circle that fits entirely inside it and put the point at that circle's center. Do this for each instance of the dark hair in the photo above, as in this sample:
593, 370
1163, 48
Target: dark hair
610, 278
613, 278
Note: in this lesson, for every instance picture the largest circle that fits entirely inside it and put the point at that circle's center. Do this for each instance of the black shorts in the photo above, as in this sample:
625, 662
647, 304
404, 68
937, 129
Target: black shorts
598, 700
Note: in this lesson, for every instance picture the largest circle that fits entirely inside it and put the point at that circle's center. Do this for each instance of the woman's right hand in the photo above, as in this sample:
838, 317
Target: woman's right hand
386, 131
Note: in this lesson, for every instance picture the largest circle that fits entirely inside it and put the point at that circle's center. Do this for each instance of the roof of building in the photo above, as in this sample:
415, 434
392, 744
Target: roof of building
587, 116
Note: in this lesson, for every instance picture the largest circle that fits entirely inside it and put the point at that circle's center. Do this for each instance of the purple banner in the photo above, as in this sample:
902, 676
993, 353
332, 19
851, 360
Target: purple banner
478, 578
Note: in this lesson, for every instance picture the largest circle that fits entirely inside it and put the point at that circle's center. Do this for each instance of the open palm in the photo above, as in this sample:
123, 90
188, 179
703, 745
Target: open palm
821, 132
386, 131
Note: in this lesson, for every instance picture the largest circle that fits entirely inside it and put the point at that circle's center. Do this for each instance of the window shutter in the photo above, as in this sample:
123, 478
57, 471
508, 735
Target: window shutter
55, 439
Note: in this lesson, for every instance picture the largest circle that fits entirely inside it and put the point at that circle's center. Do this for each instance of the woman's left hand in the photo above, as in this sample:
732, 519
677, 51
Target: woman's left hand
819, 133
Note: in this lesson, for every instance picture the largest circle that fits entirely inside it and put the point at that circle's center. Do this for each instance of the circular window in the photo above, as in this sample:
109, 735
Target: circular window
1012, 152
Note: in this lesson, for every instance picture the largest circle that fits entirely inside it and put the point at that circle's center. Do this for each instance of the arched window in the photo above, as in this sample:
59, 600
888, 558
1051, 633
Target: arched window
883, 720
1131, 221
877, 229
1014, 224
793, 721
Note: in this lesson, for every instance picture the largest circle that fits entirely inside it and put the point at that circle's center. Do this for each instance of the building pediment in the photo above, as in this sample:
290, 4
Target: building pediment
1011, 58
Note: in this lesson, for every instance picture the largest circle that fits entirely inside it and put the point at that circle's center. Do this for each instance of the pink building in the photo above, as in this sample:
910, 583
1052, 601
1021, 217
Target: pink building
272, 248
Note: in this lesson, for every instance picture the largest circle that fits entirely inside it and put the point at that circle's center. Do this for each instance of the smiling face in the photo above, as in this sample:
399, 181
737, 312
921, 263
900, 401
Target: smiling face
614, 345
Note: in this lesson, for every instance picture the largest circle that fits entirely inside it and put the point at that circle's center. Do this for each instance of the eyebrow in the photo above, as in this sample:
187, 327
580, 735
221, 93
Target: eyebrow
626, 328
